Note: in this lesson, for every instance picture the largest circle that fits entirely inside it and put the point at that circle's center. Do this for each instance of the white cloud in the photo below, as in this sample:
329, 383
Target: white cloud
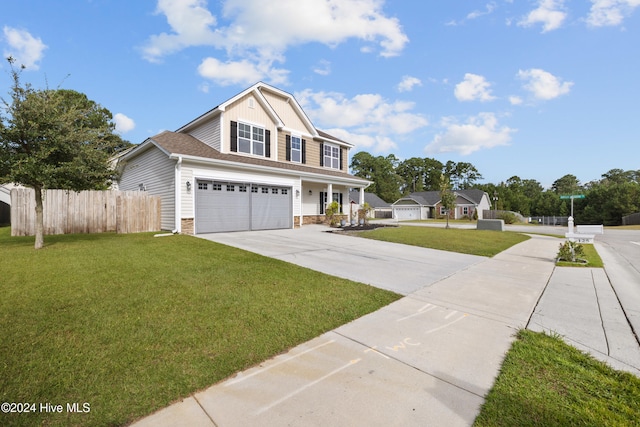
367, 120
478, 133
472, 88
269, 31
240, 72
544, 85
408, 83
610, 12
489, 8
190, 22
374, 143
549, 13
24, 48
323, 68
515, 100
123, 123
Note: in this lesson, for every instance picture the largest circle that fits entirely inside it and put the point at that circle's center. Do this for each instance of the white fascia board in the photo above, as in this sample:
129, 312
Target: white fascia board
296, 106
336, 142
268, 108
307, 176
409, 199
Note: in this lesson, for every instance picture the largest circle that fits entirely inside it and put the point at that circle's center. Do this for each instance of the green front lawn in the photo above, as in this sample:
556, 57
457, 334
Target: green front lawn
466, 241
132, 323
546, 383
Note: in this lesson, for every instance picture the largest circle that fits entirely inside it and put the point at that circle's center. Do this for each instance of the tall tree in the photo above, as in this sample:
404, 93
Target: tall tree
54, 139
381, 171
412, 171
566, 185
432, 173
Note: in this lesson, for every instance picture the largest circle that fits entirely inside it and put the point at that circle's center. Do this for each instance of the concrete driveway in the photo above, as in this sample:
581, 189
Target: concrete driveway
400, 268
425, 360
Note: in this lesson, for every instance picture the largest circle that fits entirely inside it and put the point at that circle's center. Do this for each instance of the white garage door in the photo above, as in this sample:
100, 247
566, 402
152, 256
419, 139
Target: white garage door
232, 206
403, 213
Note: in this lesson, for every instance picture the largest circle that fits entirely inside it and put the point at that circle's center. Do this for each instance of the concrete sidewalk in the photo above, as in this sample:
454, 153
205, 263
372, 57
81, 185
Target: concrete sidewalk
427, 359
580, 305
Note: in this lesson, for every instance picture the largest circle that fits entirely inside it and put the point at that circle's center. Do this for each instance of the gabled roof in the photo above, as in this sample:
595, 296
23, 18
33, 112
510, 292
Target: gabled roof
175, 144
257, 91
432, 198
371, 198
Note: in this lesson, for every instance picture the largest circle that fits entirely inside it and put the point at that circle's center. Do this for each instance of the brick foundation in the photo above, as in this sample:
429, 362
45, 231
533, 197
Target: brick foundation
187, 226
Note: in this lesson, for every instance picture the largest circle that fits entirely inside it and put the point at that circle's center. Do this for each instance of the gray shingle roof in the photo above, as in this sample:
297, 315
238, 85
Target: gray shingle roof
187, 145
371, 198
431, 198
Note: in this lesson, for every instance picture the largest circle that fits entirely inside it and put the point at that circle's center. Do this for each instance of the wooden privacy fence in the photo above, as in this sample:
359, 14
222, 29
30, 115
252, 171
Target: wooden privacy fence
66, 212
633, 219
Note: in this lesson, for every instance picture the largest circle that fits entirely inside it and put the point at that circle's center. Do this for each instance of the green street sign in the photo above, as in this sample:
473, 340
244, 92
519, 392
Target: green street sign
575, 196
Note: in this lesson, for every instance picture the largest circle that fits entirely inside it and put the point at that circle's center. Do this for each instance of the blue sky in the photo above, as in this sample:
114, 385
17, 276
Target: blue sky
536, 89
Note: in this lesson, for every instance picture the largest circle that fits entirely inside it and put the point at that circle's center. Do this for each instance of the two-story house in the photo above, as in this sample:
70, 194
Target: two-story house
254, 162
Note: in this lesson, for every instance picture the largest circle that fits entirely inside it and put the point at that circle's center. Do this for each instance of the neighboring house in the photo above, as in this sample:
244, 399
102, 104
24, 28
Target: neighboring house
5, 203
379, 208
253, 162
426, 205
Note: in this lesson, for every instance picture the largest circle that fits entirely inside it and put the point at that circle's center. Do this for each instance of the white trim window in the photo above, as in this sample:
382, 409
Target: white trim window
250, 139
331, 156
296, 149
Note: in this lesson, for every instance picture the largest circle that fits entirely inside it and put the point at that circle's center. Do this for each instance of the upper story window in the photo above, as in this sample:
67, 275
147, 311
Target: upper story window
296, 149
250, 139
331, 156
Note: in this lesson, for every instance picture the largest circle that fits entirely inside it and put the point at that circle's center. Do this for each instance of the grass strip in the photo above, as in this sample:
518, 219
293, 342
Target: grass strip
132, 323
474, 242
545, 382
590, 255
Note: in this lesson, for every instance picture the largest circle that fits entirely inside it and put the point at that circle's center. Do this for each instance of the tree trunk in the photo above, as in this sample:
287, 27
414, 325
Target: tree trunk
39, 219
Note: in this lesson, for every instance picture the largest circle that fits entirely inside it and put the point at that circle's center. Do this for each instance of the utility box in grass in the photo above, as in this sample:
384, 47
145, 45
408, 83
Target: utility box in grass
491, 224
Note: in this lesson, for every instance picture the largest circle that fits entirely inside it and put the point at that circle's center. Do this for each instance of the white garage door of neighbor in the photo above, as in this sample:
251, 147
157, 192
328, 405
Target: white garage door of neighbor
406, 212
232, 206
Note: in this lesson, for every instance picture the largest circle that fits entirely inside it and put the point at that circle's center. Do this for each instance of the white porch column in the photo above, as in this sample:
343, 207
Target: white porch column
361, 196
329, 196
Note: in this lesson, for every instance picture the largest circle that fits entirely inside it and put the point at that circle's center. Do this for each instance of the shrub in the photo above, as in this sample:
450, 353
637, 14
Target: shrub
570, 251
508, 217
332, 213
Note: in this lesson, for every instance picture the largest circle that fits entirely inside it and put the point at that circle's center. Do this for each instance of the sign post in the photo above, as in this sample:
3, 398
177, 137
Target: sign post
574, 196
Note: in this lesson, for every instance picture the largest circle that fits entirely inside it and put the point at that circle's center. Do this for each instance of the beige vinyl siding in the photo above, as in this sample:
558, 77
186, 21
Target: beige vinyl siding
240, 111
282, 146
286, 113
313, 153
209, 133
156, 172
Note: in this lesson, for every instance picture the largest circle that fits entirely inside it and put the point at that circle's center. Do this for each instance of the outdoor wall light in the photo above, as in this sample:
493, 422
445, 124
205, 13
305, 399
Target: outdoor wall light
310, 192
188, 185
297, 193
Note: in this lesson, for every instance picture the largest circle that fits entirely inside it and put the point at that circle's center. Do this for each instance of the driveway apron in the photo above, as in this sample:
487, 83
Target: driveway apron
399, 268
425, 360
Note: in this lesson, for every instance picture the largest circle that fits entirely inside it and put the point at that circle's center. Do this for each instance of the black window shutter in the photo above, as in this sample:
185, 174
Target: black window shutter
340, 202
304, 151
321, 154
322, 203
341, 149
234, 136
267, 143
288, 148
